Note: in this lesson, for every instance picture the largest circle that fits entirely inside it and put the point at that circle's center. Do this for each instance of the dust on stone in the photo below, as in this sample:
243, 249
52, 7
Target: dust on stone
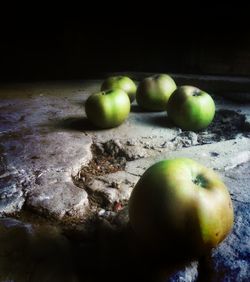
225, 126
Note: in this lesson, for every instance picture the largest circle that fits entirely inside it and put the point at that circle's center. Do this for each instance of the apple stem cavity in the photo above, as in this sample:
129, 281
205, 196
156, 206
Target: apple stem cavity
107, 92
197, 93
200, 181
157, 76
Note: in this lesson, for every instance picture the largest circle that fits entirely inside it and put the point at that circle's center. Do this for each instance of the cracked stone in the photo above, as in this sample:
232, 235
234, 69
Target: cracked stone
58, 199
11, 195
102, 193
46, 141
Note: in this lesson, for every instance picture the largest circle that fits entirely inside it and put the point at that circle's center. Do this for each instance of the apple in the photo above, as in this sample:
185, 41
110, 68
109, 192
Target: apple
191, 108
180, 206
153, 92
107, 109
120, 82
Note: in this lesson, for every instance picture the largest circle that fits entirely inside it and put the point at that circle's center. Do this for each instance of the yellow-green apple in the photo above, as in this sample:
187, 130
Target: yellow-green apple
120, 82
153, 92
107, 109
180, 206
191, 108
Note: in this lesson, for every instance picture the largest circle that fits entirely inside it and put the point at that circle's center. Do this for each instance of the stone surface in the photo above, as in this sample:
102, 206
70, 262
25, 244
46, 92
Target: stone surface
220, 156
46, 144
39, 157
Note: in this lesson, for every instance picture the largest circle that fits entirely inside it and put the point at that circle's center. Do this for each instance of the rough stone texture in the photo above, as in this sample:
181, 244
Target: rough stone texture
46, 142
39, 159
219, 156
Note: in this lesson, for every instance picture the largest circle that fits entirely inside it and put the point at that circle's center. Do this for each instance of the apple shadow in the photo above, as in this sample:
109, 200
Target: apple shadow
80, 103
161, 120
117, 251
104, 254
73, 123
135, 108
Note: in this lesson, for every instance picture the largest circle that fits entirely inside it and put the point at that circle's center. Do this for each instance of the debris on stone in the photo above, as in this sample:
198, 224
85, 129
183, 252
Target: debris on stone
185, 139
117, 206
227, 124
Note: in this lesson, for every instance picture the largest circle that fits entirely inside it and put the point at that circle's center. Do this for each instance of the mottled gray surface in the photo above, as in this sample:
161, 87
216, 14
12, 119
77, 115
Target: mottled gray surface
45, 140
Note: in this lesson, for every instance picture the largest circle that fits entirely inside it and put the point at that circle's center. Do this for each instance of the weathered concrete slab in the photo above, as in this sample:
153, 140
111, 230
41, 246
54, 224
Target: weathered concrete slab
53, 162
39, 160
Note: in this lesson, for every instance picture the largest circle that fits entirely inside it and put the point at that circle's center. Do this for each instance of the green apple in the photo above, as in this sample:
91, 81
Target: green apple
179, 205
153, 92
191, 108
107, 109
120, 82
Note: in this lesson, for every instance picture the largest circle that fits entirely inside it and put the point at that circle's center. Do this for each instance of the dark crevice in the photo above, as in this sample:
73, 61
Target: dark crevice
108, 157
200, 181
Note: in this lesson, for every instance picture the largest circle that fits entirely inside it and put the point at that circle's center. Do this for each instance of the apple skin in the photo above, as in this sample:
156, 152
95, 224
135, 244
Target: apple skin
153, 92
120, 82
191, 108
107, 109
180, 206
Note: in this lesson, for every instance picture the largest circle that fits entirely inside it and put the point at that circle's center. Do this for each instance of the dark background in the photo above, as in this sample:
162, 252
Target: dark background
86, 45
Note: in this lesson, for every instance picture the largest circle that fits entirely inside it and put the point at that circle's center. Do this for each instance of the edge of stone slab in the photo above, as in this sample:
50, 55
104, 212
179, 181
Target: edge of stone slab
219, 156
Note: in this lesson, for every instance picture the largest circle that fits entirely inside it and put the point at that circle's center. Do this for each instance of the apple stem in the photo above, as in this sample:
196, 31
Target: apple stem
197, 93
200, 181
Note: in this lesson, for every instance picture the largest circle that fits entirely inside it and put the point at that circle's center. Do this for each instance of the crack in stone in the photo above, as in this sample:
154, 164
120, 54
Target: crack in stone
111, 156
102, 162
108, 157
108, 169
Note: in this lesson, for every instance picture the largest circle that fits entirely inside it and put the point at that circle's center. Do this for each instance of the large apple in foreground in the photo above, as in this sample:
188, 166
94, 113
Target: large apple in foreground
107, 109
191, 108
120, 82
153, 92
180, 206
